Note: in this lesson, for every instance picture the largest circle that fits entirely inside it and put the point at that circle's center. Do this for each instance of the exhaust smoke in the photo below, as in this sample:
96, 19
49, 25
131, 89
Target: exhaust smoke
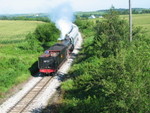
63, 17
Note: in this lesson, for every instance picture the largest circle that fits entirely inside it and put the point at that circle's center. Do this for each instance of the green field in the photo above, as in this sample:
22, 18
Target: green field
16, 30
142, 20
14, 61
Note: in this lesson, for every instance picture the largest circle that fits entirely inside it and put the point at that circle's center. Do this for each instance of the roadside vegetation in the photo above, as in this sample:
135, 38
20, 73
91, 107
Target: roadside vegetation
111, 74
21, 42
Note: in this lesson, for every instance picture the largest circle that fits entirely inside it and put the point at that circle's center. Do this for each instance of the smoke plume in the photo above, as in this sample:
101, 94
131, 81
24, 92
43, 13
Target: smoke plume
63, 17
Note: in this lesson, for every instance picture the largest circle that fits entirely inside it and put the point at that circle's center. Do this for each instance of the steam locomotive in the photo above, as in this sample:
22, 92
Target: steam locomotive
54, 57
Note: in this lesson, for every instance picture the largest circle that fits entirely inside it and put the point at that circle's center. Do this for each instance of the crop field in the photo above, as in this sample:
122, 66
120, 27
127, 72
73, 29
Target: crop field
142, 20
16, 30
15, 62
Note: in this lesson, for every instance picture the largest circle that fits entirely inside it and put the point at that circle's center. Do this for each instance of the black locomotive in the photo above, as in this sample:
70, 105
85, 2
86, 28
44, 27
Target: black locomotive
53, 58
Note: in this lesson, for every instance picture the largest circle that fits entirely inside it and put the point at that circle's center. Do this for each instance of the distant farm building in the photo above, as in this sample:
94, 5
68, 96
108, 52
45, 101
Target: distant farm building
92, 17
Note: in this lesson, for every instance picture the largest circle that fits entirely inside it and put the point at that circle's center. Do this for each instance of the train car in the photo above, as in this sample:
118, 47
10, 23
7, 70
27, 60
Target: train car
53, 58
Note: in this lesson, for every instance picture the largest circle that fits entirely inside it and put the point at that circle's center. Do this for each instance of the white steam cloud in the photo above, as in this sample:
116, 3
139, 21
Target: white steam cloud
63, 17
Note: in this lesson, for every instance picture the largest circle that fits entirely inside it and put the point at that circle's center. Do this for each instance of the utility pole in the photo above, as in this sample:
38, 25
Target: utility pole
130, 21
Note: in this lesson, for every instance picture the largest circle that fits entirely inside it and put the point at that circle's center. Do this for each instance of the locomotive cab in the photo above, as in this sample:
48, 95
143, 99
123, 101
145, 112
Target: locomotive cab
52, 59
47, 62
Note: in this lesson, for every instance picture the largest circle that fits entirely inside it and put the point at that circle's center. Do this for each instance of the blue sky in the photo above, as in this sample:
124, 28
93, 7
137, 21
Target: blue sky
44, 6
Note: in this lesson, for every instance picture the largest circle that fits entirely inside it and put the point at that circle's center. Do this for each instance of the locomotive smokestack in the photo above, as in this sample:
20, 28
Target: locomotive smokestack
63, 16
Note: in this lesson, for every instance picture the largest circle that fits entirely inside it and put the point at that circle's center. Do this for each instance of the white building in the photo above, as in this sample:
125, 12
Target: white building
92, 17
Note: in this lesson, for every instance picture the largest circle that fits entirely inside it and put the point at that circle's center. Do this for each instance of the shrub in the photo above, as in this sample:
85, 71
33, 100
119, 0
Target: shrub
114, 75
42, 38
47, 34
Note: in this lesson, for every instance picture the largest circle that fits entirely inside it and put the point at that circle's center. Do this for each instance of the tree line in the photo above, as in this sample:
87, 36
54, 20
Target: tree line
120, 11
30, 18
135, 11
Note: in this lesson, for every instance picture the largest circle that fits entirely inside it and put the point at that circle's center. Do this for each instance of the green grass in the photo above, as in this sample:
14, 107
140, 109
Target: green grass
142, 20
16, 30
15, 62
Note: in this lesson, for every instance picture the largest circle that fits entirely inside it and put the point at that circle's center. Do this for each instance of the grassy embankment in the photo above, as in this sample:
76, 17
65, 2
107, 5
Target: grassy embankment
15, 62
115, 83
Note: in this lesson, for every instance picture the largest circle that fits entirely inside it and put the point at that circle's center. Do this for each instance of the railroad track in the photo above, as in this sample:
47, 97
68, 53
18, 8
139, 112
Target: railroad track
22, 105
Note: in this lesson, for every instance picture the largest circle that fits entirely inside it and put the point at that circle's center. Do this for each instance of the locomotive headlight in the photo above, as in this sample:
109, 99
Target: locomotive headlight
61, 56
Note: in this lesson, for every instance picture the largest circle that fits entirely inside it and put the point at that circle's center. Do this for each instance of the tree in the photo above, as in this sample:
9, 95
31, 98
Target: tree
43, 37
47, 34
110, 34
